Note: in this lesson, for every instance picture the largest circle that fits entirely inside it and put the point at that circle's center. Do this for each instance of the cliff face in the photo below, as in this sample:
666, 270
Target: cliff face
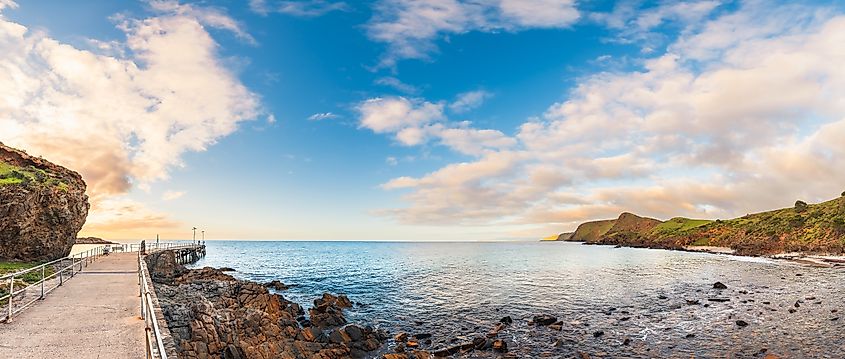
42, 207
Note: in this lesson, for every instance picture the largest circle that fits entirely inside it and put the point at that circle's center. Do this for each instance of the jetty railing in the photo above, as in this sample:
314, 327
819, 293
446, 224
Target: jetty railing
51, 275
154, 337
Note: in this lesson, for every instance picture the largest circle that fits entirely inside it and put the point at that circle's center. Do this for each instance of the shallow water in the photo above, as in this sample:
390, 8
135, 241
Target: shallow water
456, 291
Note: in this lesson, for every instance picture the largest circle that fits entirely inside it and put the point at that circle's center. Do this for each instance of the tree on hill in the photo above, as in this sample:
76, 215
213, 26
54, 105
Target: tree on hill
800, 206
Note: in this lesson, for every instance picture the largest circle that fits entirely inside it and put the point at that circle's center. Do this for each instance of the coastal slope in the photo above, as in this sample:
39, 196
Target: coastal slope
807, 228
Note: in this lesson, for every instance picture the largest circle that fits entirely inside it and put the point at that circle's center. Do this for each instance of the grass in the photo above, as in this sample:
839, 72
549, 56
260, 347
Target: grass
591, 231
29, 278
14, 175
678, 226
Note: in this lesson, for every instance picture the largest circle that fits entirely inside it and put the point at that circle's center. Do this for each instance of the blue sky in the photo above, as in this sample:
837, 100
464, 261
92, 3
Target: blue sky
293, 137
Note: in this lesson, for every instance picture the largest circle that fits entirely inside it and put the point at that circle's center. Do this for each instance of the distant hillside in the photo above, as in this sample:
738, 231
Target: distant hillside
809, 228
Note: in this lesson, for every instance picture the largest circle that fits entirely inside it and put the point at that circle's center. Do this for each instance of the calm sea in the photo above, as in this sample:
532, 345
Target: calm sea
456, 291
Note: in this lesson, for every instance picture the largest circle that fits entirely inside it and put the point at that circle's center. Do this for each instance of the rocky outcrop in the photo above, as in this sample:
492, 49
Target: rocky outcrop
212, 314
42, 207
93, 240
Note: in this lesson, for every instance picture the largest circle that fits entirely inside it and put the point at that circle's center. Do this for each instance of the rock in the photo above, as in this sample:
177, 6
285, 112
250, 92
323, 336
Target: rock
719, 300
401, 337
213, 315
227, 269
500, 346
556, 326
479, 343
395, 356
792, 310
412, 344
719, 285
421, 354
506, 320
42, 207
662, 297
693, 302
598, 333
544, 319
277, 285
627, 341
690, 335
741, 323
421, 336
834, 319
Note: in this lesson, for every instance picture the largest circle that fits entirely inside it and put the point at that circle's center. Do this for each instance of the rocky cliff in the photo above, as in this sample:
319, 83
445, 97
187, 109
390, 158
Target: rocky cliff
42, 207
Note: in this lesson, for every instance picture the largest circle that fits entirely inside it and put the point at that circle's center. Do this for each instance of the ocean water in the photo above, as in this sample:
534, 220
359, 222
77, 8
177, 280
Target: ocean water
456, 291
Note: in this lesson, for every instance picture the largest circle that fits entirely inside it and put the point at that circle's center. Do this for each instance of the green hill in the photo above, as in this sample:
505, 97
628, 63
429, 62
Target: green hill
809, 228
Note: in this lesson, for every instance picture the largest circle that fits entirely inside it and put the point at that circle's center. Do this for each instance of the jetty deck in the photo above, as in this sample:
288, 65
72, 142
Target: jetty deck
93, 316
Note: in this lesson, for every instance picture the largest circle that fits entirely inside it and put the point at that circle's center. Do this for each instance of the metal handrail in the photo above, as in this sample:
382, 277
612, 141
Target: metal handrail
84, 259
154, 342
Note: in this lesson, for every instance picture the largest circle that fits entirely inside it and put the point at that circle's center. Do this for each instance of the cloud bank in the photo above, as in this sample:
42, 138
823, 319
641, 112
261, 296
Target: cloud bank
742, 113
125, 113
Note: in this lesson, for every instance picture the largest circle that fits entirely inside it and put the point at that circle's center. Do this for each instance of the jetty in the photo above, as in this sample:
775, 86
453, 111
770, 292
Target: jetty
90, 305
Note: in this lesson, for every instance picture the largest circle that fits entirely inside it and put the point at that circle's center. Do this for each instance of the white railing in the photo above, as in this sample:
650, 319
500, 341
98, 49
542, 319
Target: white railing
17, 287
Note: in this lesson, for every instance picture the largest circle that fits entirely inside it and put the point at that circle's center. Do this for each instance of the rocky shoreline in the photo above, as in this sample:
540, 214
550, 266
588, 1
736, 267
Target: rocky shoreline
809, 259
212, 314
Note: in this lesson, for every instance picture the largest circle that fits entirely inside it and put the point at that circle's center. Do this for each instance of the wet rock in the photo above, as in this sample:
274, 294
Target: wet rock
480, 343
556, 326
544, 319
624, 319
452, 349
834, 319
690, 335
719, 285
412, 344
227, 269
421, 336
401, 337
693, 302
662, 297
506, 320
741, 323
627, 341
598, 333
500, 346
792, 310
719, 300
797, 304
277, 285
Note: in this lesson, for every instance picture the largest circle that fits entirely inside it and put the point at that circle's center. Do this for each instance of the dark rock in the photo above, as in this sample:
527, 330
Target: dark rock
741, 323
544, 319
693, 302
421, 336
277, 285
227, 269
500, 345
598, 333
719, 300
719, 285
401, 337
627, 341
507, 320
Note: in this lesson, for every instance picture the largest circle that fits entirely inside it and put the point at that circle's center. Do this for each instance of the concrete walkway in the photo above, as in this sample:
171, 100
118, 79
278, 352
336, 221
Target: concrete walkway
94, 315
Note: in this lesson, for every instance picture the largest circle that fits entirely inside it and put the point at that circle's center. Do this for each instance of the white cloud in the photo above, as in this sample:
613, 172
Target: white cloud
411, 28
208, 16
172, 195
415, 122
397, 85
636, 24
121, 121
304, 8
8, 4
392, 161
739, 115
469, 100
322, 116
394, 114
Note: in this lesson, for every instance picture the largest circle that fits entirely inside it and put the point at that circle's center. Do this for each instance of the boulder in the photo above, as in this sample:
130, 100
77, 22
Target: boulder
42, 207
544, 319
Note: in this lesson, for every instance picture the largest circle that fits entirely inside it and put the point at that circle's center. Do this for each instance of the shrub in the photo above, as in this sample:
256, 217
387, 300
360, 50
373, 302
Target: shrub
843, 194
800, 206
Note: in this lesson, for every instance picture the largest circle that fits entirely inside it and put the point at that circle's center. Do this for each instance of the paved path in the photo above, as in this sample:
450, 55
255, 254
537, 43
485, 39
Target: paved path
94, 315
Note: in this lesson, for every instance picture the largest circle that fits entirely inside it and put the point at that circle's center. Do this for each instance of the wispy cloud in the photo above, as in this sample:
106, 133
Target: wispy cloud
397, 85
172, 195
469, 100
411, 28
303, 8
209, 16
322, 116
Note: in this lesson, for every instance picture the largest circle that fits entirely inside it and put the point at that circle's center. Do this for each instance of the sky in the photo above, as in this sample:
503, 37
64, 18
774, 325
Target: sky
425, 120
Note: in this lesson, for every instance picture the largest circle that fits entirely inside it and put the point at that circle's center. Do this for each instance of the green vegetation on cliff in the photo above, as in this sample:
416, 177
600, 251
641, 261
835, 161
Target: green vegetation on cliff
591, 231
678, 226
812, 228
11, 175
